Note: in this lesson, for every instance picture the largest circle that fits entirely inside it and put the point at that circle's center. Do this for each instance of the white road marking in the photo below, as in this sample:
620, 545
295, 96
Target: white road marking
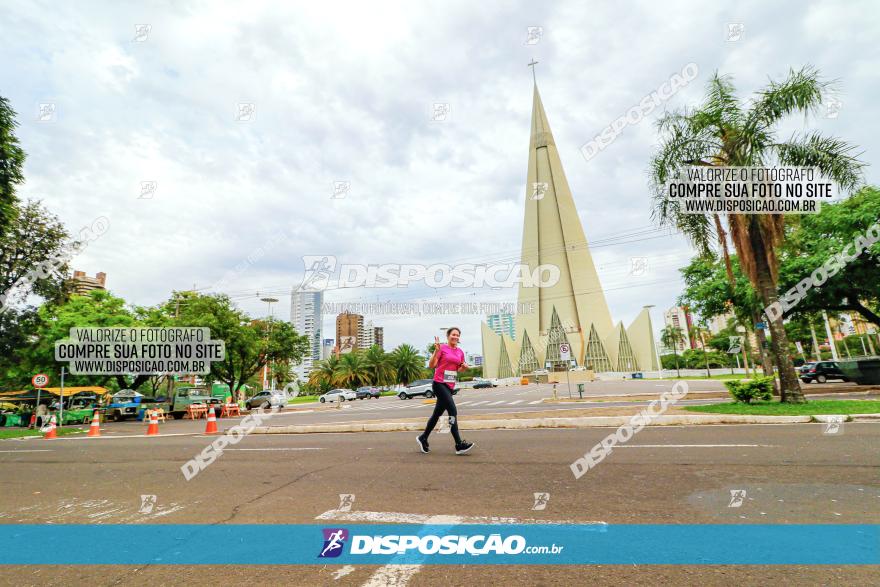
405, 518
276, 448
496, 403
30, 450
343, 572
536, 402
478, 403
519, 401
160, 435
392, 576
692, 445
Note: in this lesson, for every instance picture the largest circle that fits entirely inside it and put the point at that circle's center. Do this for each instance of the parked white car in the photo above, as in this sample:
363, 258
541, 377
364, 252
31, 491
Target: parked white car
338, 395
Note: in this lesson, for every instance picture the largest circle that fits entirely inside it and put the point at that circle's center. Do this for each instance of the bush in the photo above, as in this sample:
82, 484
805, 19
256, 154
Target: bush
759, 388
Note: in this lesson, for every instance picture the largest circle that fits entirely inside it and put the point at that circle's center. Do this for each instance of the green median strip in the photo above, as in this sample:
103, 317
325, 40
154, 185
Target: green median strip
811, 408
24, 432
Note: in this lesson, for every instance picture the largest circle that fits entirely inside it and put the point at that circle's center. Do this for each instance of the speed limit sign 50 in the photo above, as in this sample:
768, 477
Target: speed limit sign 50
40, 380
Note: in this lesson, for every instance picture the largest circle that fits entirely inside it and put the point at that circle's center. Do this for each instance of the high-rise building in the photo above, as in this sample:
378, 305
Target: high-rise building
502, 324
367, 336
379, 336
349, 331
81, 284
327, 348
718, 323
306, 318
572, 310
678, 317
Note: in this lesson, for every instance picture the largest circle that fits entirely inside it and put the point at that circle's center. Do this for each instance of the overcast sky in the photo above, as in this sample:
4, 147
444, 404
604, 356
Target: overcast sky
344, 91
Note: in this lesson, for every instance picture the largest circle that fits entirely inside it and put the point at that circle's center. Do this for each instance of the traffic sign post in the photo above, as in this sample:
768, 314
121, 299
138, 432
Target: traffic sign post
61, 401
40, 380
565, 355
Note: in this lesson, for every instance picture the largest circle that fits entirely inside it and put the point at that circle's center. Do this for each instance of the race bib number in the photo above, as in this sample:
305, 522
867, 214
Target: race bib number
450, 376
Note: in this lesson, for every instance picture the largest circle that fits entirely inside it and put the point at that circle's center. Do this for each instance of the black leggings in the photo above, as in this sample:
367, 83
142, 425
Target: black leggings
445, 403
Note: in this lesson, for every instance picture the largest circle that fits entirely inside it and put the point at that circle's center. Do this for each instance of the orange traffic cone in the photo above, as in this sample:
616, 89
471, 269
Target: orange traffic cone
49, 431
153, 428
95, 428
211, 428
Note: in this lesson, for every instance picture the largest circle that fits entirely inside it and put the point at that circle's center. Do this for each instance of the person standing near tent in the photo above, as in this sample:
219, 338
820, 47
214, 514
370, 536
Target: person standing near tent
447, 361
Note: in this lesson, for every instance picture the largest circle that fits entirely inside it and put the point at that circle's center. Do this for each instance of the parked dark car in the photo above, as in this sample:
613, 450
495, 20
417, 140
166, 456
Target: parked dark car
823, 371
483, 384
368, 392
806, 367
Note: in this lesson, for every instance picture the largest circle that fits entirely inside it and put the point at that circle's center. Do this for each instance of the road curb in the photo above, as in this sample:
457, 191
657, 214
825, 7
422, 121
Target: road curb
518, 424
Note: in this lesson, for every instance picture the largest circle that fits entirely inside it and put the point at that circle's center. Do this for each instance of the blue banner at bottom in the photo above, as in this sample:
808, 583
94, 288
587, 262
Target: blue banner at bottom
366, 544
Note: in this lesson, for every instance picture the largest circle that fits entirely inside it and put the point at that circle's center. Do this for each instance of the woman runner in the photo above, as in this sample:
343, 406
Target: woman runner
446, 361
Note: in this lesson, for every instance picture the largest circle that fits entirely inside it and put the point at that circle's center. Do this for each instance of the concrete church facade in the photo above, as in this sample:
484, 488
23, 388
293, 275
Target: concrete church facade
574, 309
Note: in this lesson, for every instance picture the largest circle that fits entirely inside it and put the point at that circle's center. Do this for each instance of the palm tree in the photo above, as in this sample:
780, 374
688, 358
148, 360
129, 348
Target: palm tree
408, 363
351, 371
722, 132
323, 374
378, 364
671, 337
698, 333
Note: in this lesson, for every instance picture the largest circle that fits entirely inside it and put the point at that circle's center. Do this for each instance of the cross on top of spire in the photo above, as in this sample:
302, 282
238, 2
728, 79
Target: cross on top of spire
532, 65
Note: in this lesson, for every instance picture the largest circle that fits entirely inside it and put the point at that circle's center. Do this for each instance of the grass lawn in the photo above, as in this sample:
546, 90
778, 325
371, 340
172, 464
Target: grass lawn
307, 399
717, 377
302, 399
23, 432
811, 408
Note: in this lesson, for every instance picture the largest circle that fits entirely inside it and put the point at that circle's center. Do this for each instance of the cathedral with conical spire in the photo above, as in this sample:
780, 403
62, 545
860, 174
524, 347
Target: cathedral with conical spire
572, 310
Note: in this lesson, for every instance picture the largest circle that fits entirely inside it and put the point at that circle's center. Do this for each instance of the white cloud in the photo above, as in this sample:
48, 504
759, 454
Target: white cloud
343, 92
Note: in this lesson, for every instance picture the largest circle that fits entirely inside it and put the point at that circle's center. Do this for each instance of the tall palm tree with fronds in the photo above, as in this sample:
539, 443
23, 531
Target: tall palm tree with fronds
725, 132
408, 363
378, 364
670, 337
323, 374
351, 371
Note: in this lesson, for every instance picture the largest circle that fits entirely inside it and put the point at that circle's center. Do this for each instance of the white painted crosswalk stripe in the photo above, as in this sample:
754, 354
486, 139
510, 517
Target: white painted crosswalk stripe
535, 402
496, 403
478, 403
519, 401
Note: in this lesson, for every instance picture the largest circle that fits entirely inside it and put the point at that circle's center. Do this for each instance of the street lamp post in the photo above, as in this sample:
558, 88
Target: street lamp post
268, 301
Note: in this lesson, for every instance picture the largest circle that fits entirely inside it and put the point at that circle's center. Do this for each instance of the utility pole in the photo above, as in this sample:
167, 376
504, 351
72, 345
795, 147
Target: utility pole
830, 337
815, 342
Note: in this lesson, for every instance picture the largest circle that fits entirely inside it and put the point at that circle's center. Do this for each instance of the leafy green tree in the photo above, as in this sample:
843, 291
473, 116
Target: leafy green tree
250, 344
408, 363
708, 291
724, 132
671, 337
34, 249
98, 308
12, 158
18, 331
813, 239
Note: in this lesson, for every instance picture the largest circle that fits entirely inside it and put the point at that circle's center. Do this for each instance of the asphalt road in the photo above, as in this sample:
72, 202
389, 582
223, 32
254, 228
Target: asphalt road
500, 400
790, 473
